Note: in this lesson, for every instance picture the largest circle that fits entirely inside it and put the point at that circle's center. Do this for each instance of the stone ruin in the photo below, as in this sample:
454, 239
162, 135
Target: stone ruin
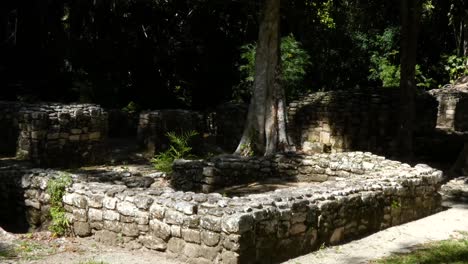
453, 109
362, 194
358, 119
347, 195
53, 134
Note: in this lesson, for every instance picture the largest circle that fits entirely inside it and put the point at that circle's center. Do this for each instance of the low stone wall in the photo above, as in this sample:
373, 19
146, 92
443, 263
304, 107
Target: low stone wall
153, 126
24, 203
50, 134
456, 190
228, 170
453, 109
358, 119
258, 228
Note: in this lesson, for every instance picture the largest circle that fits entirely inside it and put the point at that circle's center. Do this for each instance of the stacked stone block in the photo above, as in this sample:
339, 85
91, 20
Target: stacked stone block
9, 127
258, 228
228, 170
50, 134
62, 135
453, 109
357, 119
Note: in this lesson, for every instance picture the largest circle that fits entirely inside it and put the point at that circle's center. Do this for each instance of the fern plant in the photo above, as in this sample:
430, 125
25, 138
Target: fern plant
56, 190
179, 148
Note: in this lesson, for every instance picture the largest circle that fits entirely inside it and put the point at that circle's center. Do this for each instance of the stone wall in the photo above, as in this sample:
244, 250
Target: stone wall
62, 135
153, 126
24, 204
453, 109
228, 170
258, 228
9, 127
358, 119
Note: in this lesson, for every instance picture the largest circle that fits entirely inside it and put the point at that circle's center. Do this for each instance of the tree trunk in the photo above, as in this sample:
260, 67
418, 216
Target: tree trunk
265, 129
410, 15
465, 36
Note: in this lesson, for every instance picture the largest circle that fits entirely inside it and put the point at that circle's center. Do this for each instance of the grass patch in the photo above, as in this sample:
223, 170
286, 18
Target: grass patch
25, 250
448, 251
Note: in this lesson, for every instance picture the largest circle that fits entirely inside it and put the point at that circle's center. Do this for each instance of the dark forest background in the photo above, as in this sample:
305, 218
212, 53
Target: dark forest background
187, 54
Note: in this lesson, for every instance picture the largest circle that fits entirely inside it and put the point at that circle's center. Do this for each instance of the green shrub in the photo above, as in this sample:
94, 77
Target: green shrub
455, 67
178, 149
131, 108
56, 189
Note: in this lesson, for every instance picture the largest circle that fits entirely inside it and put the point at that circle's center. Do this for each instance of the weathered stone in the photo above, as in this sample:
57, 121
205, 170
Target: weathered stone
157, 211
96, 215
143, 202
81, 229
191, 235
142, 218
186, 207
160, 229
176, 245
210, 238
95, 201
152, 242
80, 215
75, 200
106, 237
211, 223
126, 208
229, 257
110, 202
337, 235
174, 217
112, 226
238, 223
130, 230
297, 229
111, 215
176, 231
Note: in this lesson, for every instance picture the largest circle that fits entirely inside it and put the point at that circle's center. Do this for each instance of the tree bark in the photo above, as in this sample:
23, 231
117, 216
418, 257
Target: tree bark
265, 129
410, 16
465, 36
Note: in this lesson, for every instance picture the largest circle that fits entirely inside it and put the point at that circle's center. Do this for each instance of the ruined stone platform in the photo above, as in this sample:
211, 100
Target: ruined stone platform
363, 193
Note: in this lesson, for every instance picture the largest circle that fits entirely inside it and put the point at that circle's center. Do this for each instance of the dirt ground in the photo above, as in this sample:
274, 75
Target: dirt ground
42, 248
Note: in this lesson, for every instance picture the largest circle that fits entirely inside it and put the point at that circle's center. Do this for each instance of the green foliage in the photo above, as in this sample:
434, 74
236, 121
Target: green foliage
294, 59
384, 57
56, 189
450, 251
385, 60
131, 108
178, 149
395, 204
246, 150
455, 67
324, 10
